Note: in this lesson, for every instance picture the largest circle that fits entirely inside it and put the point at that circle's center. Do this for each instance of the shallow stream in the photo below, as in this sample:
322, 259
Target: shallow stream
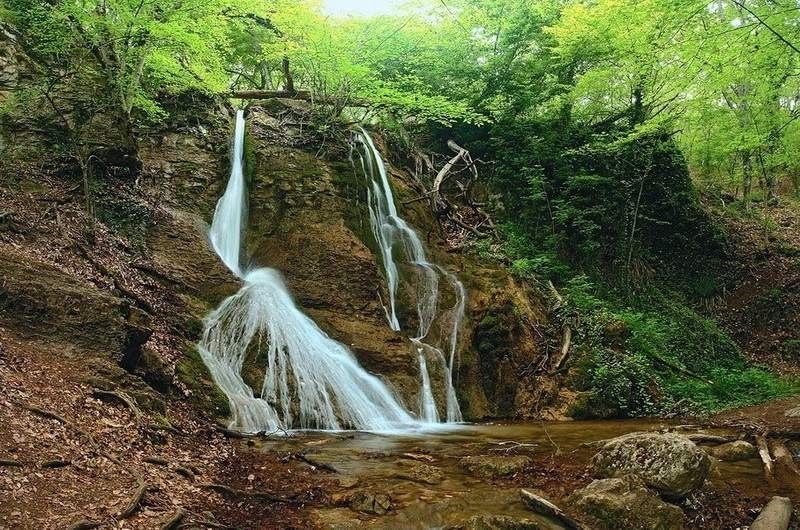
381, 464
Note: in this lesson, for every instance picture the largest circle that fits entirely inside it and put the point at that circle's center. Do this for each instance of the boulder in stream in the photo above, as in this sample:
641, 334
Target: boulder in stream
495, 465
371, 503
734, 451
422, 473
625, 503
668, 463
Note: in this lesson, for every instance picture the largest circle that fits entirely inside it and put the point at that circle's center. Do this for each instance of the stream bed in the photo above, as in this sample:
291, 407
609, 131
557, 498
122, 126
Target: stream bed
420, 480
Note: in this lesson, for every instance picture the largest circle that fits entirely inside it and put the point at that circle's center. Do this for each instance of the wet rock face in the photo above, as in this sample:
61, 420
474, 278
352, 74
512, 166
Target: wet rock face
668, 463
734, 451
625, 503
494, 466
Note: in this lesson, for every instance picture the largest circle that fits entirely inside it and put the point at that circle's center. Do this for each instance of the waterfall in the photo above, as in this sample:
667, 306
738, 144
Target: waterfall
393, 234
310, 380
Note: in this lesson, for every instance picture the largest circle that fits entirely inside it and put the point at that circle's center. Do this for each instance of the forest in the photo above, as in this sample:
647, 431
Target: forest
399, 264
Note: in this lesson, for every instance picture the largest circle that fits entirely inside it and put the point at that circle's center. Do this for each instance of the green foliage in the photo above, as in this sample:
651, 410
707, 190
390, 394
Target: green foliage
733, 388
620, 386
642, 353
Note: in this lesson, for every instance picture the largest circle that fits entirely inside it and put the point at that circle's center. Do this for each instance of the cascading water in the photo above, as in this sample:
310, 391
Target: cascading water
310, 380
392, 231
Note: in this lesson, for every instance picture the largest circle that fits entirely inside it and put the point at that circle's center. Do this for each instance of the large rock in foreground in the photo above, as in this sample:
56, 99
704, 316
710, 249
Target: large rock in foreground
625, 504
669, 463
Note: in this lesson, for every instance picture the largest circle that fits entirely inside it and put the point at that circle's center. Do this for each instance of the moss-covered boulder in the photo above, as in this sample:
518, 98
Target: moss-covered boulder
669, 463
494, 465
625, 503
733, 451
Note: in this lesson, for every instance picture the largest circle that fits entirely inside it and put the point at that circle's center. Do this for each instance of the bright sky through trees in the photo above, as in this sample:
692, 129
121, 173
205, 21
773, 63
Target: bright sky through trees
359, 7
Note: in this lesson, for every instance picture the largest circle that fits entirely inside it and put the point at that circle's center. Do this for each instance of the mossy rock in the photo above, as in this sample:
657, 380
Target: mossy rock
192, 372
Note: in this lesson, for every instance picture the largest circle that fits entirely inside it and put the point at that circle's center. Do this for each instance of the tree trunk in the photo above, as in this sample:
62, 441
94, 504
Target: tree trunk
288, 84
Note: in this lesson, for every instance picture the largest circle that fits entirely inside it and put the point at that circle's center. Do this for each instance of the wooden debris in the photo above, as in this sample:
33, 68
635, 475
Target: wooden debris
566, 342
785, 468
419, 457
542, 506
763, 452
231, 433
775, 515
311, 461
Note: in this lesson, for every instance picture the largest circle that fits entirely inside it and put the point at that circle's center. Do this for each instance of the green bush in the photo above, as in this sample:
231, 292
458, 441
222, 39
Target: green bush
733, 388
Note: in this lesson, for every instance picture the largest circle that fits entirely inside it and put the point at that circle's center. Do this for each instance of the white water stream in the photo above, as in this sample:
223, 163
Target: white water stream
310, 380
393, 234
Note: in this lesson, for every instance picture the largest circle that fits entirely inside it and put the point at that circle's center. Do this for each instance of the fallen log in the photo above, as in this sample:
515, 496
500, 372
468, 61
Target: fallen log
542, 506
775, 515
566, 341
302, 95
785, 468
315, 463
442, 175
763, 452
783, 457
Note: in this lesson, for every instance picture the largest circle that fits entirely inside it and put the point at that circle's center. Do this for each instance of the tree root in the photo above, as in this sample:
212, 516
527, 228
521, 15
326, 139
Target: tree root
135, 501
122, 397
46, 414
83, 524
261, 495
185, 472
175, 519
55, 464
